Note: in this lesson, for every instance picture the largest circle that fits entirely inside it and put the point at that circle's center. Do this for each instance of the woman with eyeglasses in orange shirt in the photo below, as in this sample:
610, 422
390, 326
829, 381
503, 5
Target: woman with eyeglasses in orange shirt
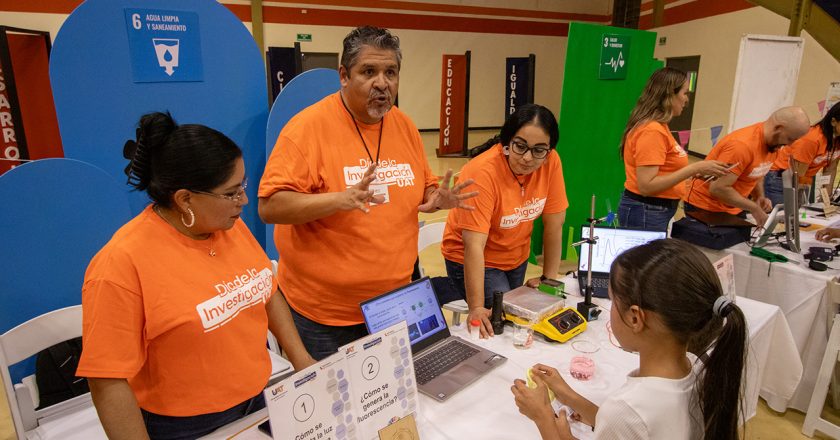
518, 181
177, 305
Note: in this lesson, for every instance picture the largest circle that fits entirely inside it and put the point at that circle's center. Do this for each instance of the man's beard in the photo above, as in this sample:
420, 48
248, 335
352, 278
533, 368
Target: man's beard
376, 111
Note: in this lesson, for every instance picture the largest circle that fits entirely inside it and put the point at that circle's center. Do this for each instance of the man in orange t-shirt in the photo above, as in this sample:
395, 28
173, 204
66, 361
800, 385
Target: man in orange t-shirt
344, 184
750, 152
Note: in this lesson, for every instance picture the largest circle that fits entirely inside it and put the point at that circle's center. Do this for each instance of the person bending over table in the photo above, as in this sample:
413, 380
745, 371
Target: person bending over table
176, 306
654, 162
750, 151
666, 304
518, 180
815, 151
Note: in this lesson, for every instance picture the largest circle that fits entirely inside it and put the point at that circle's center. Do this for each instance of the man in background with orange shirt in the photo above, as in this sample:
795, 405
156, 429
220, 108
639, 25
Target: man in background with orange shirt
750, 151
344, 184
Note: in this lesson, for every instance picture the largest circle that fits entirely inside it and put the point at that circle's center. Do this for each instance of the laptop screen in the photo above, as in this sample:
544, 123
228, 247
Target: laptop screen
611, 242
416, 304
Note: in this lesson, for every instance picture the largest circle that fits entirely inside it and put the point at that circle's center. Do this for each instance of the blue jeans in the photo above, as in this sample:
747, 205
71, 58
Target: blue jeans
182, 428
323, 340
773, 187
494, 280
636, 214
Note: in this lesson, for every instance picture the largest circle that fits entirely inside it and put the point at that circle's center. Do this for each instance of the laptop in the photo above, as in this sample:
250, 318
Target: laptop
611, 243
444, 364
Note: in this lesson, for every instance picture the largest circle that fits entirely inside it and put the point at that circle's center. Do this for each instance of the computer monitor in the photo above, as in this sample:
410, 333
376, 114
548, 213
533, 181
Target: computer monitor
786, 213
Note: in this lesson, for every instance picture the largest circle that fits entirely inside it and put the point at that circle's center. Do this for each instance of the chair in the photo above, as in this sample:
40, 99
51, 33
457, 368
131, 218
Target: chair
813, 420
432, 233
26, 340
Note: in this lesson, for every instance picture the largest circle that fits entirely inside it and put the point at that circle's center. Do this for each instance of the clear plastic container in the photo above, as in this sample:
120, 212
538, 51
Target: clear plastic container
474, 329
531, 304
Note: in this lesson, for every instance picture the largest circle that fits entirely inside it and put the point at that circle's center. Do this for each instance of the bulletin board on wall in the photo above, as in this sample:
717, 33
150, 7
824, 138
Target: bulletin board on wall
606, 70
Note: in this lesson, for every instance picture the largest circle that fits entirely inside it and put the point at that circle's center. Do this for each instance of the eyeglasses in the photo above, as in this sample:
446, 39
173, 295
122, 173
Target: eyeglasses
521, 148
234, 196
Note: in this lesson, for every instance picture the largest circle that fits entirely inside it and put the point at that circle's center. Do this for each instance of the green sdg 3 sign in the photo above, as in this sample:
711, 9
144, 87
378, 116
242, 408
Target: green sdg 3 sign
614, 53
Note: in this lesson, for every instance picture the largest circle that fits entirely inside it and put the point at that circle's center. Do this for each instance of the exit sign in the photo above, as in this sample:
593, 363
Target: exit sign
304, 37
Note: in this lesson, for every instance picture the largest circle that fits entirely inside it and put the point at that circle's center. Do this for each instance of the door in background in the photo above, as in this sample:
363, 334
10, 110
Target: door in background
314, 60
690, 65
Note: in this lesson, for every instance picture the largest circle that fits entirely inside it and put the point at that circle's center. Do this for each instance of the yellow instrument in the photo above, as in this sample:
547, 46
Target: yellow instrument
560, 326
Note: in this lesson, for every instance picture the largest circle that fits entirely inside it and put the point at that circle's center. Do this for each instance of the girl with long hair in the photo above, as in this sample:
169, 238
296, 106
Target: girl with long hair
667, 303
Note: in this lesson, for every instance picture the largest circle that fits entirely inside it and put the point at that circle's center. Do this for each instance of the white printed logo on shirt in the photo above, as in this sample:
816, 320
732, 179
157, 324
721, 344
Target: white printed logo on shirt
824, 158
527, 212
760, 170
248, 289
680, 150
388, 172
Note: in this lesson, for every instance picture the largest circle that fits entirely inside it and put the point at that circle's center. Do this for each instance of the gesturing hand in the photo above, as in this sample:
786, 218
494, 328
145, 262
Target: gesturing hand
445, 197
360, 195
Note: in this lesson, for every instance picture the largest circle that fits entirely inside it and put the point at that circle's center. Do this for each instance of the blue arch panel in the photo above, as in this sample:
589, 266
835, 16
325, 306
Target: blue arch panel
98, 103
57, 213
302, 91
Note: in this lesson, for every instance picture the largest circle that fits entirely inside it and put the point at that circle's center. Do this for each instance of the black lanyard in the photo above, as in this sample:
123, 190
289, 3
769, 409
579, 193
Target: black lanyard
381, 129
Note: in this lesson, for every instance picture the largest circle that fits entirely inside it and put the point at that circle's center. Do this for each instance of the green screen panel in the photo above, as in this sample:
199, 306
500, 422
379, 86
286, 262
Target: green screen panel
592, 117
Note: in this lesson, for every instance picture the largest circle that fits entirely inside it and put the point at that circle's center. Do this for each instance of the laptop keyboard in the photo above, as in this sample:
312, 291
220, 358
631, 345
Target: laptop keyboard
603, 283
441, 360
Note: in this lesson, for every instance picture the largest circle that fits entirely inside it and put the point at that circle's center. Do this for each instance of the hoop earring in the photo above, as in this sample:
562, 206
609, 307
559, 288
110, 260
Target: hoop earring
192, 218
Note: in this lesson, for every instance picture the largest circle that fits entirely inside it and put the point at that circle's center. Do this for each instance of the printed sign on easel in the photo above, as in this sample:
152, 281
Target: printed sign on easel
725, 268
350, 395
382, 373
314, 403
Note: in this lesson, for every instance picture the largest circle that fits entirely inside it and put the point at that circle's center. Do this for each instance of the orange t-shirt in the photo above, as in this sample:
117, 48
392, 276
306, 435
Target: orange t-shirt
652, 144
502, 211
186, 329
811, 149
745, 148
328, 266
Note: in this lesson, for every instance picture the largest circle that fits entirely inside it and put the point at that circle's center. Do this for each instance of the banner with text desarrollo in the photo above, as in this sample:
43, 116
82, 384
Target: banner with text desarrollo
28, 125
454, 93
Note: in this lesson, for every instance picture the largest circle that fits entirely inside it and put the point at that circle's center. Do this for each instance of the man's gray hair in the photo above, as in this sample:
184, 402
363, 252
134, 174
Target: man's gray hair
378, 38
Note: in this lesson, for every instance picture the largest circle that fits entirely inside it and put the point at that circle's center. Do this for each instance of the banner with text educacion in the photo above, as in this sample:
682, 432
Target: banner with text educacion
28, 124
454, 105
519, 83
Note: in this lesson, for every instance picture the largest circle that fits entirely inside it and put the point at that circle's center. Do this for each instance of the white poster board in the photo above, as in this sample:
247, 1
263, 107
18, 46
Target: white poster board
350, 395
381, 372
765, 79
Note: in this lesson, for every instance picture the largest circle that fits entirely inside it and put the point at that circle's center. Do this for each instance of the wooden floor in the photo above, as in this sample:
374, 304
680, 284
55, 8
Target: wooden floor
766, 425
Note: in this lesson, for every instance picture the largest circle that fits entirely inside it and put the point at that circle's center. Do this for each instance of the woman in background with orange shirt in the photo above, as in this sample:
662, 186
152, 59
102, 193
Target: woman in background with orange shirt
654, 162
818, 149
518, 181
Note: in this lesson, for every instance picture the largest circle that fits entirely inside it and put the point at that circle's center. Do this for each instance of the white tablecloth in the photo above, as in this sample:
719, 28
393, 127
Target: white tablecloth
486, 408
802, 296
